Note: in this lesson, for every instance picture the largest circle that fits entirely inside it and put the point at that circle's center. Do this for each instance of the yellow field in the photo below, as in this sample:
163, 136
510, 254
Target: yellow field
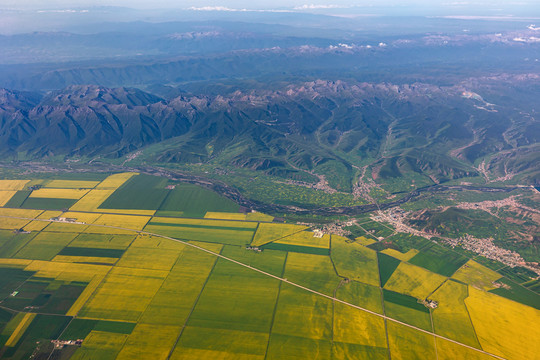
504, 327
71, 184
12, 224
20, 213
354, 326
85, 259
399, 255
125, 221
225, 216
88, 218
257, 216
85, 295
362, 240
92, 200
154, 242
58, 193
413, 280
305, 238
113, 182
150, 342
5, 196
206, 222
36, 225
15, 263
20, 329
129, 212
312, 271
220, 344
147, 258
447, 350
103, 241
65, 227
354, 261
406, 343
100, 345
451, 318
267, 232
46, 215
13, 185
477, 275
124, 295
66, 271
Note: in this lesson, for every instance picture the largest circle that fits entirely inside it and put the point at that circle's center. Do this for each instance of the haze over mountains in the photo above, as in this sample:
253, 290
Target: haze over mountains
287, 94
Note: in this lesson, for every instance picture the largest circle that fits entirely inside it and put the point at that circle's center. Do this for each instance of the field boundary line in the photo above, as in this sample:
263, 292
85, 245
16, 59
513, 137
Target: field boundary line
185, 242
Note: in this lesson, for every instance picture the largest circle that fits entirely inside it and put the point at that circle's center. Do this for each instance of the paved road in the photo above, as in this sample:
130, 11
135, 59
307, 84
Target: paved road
277, 278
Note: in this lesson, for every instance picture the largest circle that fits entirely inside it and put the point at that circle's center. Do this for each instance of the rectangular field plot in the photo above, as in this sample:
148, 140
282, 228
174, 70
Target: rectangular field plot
5, 196
17, 199
195, 201
296, 347
92, 200
268, 260
11, 243
114, 181
45, 246
175, 299
473, 273
104, 241
258, 216
364, 295
354, 261
302, 314
149, 258
406, 309
20, 213
306, 238
58, 193
406, 343
71, 184
354, 326
13, 185
224, 215
271, 232
224, 232
12, 224
451, 318
246, 299
149, 342
207, 343
93, 252
47, 203
315, 272
124, 295
504, 327
100, 345
140, 192
414, 281
439, 260
346, 351
125, 221
447, 350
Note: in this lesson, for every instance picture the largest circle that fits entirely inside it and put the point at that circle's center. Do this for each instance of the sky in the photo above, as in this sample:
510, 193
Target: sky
300, 5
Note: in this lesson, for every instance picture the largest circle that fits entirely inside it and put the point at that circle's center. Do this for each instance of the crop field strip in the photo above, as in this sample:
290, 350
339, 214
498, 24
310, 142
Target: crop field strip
304, 288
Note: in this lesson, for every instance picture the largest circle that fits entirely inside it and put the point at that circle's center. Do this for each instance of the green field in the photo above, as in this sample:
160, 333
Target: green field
387, 266
407, 309
439, 260
141, 192
195, 201
48, 204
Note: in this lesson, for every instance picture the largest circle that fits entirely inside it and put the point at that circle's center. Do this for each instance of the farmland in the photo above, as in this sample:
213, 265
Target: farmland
122, 284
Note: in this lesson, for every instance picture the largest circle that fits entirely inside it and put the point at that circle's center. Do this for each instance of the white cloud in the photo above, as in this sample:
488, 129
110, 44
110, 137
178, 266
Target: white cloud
314, 7
533, 27
211, 8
